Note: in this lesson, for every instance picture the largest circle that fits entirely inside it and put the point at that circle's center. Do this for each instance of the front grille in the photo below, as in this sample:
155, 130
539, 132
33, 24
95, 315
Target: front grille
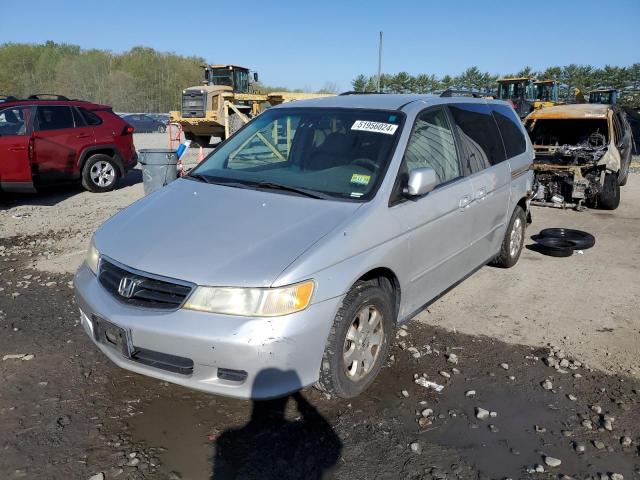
193, 104
143, 291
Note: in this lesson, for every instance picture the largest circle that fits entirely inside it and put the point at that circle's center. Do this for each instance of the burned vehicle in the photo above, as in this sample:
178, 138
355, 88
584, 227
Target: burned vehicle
583, 153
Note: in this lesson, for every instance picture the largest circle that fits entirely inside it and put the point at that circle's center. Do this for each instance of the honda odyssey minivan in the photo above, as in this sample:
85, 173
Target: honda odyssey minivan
304, 240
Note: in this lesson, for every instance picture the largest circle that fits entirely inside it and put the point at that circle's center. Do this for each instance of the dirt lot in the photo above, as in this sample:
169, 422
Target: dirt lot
66, 412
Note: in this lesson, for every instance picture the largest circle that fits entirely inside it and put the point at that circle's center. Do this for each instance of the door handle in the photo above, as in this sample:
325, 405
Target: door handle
17, 149
481, 193
465, 201
83, 135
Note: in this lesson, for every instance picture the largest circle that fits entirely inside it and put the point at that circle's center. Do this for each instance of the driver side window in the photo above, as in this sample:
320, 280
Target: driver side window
432, 144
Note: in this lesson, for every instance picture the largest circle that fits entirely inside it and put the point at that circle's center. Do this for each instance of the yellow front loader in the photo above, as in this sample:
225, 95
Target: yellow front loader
224, 103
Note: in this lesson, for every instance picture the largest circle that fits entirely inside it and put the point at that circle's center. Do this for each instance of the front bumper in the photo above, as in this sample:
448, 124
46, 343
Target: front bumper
279, 355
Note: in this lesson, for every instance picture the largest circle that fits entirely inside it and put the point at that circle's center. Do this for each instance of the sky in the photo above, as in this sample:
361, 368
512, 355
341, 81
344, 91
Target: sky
300, 44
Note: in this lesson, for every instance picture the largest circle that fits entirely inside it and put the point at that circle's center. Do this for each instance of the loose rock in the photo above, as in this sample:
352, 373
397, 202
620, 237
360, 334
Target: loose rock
416, 447
598, 444
452, 358
552, 462
547, 385
482, 414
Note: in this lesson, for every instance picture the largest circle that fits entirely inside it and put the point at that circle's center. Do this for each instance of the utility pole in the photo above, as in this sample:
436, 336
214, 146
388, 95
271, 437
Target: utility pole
379, 64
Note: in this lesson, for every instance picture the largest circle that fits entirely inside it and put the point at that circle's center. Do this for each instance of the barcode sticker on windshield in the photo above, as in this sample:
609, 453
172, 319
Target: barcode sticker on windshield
378, 127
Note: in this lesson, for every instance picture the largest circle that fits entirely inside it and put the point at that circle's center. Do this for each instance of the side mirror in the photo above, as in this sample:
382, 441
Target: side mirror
421, 181
255, 76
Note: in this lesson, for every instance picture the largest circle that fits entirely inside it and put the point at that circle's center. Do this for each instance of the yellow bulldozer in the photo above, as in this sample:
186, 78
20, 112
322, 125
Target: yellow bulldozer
224, 102
527, 94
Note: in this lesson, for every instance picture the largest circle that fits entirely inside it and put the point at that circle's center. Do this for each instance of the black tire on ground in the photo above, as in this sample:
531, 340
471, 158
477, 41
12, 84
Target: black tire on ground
367, 300
553, 247
161, 129
100, 173
579, 239
609, 196
513, 240
235, 123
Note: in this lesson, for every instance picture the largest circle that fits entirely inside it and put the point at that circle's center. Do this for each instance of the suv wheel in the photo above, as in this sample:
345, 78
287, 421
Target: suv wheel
99, 174
609, 196
513, 240
359, 340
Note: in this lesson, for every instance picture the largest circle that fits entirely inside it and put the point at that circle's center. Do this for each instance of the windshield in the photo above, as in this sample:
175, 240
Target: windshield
547, 92
334, 153
220, 76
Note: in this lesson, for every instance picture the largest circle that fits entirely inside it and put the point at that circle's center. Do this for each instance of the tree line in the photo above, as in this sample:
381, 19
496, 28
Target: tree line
145, 80
571, 77
140, 80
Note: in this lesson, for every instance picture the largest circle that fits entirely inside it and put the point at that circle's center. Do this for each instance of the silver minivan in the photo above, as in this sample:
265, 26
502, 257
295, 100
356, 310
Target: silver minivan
290, 255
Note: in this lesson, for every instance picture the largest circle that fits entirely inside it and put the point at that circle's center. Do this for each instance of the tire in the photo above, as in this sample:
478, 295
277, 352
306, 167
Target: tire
511, 247
623, 182
579, 239
161, 129
609, 196
235, 123
366, 300
554, 247
100, 173
197, 140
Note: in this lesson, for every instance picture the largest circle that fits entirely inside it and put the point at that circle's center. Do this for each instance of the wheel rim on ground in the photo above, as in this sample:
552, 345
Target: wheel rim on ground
516, 237
363, 343
102, 174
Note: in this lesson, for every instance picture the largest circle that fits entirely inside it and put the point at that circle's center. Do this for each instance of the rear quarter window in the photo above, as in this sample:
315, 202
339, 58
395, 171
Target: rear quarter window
478, 133
510, 129
90, 117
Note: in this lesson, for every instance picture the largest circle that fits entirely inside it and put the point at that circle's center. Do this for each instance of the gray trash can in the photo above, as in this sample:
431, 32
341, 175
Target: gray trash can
159, 168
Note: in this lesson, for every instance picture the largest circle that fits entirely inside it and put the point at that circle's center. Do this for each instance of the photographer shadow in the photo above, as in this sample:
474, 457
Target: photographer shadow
270, 446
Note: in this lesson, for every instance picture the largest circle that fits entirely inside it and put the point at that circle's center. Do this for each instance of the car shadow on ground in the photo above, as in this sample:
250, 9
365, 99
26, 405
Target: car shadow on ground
271, 446
53, 194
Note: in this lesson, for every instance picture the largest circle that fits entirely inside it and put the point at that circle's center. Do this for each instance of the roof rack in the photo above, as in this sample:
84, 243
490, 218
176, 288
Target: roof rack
449, 92
352, 92
39, 96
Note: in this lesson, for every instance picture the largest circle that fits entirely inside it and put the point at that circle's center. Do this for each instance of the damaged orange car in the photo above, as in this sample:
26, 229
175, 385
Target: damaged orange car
583, 153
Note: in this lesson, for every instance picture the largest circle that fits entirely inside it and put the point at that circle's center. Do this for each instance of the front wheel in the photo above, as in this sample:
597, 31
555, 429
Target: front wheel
359, 340
513, 240
100, 174
609, 196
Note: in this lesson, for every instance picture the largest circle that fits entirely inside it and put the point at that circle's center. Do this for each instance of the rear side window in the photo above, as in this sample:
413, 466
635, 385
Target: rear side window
510, 129
478, 134
431, 144
54, 117
14, 121
90, 117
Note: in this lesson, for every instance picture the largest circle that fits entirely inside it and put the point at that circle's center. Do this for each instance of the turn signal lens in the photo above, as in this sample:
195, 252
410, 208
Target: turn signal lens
252, 302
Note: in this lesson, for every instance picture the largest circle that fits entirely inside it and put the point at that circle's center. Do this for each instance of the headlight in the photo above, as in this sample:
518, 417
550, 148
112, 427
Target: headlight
252, 302
93, 257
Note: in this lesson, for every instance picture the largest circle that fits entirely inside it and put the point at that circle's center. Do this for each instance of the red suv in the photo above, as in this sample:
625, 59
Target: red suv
50, 141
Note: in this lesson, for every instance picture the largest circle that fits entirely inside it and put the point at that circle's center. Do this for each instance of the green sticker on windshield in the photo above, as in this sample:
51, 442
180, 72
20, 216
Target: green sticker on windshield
360, 179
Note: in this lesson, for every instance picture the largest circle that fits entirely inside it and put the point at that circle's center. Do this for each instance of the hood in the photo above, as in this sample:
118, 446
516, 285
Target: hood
217, 235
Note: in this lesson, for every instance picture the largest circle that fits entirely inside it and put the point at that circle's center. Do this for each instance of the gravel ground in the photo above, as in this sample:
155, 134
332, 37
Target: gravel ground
569, 325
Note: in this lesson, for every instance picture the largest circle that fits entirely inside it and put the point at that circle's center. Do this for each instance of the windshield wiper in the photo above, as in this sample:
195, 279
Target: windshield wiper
287, 188
199, 177
217, 181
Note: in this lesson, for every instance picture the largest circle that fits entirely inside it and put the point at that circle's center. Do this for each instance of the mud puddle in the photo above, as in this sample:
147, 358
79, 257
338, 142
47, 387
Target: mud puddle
371, 436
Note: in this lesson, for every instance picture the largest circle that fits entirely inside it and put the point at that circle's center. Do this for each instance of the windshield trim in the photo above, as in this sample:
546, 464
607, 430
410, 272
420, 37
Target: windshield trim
402, 117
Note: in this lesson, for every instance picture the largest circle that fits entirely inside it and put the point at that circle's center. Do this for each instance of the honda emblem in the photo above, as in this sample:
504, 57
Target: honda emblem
127, 287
